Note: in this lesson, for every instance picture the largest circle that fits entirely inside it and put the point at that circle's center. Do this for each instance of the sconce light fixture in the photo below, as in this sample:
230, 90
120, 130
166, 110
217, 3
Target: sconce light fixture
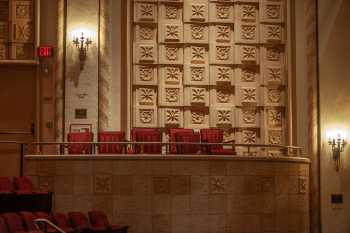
82, 43
337, 141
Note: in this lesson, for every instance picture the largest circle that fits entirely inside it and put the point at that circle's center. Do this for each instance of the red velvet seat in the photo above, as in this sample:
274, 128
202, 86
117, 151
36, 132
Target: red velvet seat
44, 215
62, 222
215, 136
172, 138
28, 220
79, 222
6, 185
99, 220
15, 225
188, 137
147, 135
23, 185
84, 148
111, 137
3, 226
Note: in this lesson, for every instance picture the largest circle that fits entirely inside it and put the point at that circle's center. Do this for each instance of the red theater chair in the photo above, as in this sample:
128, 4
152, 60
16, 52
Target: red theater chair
84, 136
147, 135
28, 220
6, 186
99, 220
79, 222
115, 136
15, 225
44, 215
190, 137
62, 222
172, 138
3, 226
215, 136
23, 185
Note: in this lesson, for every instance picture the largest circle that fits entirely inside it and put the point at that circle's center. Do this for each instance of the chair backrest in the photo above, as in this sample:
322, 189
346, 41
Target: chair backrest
28, 219
23, 184
190, 137
14, 222
172, 137
61, 220
79, 220
80, 137
147, 135
115, 136
3, 226
212, 136
6, 185
98, 219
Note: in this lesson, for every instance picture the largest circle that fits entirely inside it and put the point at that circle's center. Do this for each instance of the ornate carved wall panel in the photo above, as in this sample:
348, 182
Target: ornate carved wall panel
17, 29
207, 63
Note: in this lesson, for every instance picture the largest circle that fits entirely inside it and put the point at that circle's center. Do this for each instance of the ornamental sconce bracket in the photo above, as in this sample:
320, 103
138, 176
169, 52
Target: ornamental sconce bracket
82, 43
338, 144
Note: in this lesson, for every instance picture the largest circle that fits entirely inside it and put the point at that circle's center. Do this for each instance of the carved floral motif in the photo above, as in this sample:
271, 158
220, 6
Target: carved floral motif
146, 116
274, 74
273, 11
249, 95
172, 32
248, 75
223, 53
274, 32
147, 95
224, 116
172, 116
198, 53
197, 117
23, 11
248, 13
249, 53
171, 53
274, 95
217, 185
146, 52
146, 10
198, 95
249, 136
222, 11
197, 32
223, 74
223, 95
275, 137
223, 33
198, 11
172, 95
197, 73
249, 116
272, 54
248, 32
274, 117
146, 33
173, 74
146, 73
171, 12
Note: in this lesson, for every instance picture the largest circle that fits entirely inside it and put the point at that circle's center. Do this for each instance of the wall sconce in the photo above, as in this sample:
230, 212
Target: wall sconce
337, 143
82, 43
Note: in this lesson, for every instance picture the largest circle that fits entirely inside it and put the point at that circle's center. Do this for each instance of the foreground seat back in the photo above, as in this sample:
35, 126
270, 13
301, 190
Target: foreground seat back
172, 137
98, 219
28, 219
6, 185
3, 226
62, 221
115, 136
23, 185
85, 148
146, 135
188, 137
14, 222
79, 220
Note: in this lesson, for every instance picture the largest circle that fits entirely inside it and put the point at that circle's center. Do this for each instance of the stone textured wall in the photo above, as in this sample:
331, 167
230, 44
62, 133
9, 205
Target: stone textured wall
181, 195
200, 64
17, 31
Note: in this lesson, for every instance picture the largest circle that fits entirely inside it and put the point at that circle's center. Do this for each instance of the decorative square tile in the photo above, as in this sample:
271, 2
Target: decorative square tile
248, 136
180, 204
145, 33
170, 32
274, 117
103, 184
145, 12
196, 75
221, 12
246, 12
145, 75
247, 54
272, 12
21, 51
196, 96
196, 54
199, 185
272, 55
145, 116
22, 10
272, 33
247, 75
217, 185
22, 31
274, 96
248, 95
196, 118
274, 75
221, 53
170, 95
63, 185
247, 117
46, 183
171, 75
303, 185
221, 33
171, 12
171, 117
196, 33
196, 11
221, 117
171, 54
161, 223
180, 185
222, 96
122, 185
146, 96
161, 184
222, 75
145, 53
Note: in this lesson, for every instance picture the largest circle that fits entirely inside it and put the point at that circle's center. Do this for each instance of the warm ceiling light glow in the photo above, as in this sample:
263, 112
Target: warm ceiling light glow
337, 133
88, 33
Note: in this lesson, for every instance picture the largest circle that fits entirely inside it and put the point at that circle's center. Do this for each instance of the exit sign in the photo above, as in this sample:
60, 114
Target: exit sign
45, 51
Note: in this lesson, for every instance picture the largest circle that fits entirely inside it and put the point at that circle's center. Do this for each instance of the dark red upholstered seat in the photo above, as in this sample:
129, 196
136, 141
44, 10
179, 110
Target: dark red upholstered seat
147, 135
3, 226
44, 215
172, 137
189, 137
15, 225
62, 221
215, 136
79, 221
6, 185
23, 185
80, 137
28, 220
115, 136
100, 221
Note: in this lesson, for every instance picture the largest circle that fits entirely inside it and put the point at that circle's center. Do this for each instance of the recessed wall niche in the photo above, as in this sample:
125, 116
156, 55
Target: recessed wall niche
203, 63
17, 29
